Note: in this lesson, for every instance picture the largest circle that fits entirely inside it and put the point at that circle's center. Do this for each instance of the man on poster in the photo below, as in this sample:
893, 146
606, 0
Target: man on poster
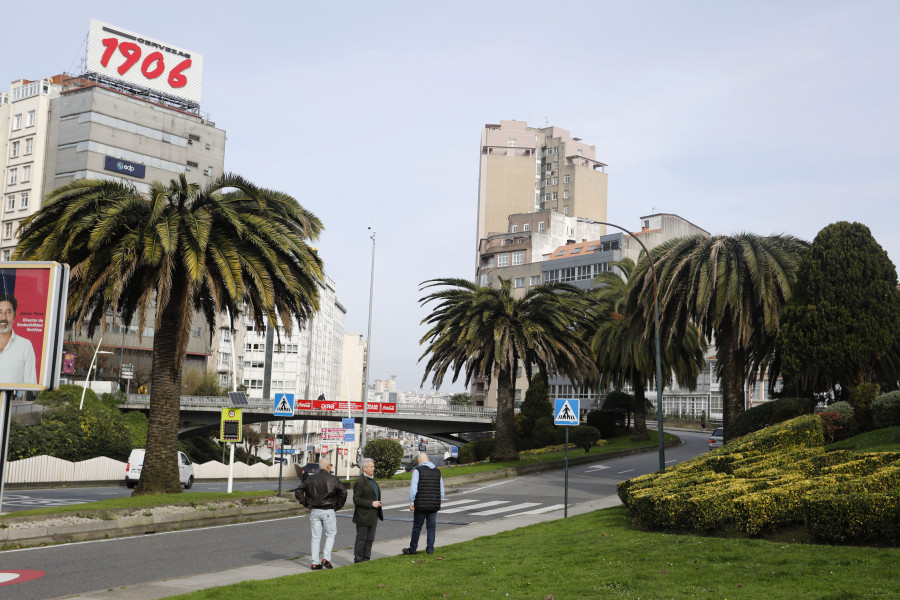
17, 364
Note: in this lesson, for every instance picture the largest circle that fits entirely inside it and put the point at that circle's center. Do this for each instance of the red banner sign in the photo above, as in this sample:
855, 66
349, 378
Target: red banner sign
385, 408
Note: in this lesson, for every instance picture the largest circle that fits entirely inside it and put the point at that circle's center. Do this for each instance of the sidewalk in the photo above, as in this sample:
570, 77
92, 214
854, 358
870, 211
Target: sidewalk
171, 587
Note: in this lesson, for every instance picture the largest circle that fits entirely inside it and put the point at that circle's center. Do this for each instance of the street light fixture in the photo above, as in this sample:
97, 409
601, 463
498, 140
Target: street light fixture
659, 394
87, 377
362, 435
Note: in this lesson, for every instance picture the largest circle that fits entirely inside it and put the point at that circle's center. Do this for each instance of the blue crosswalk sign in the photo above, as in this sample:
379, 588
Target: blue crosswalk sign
566, 411
284, 405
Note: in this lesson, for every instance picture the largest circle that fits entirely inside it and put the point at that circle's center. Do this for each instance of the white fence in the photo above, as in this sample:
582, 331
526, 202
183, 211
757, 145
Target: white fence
48, 469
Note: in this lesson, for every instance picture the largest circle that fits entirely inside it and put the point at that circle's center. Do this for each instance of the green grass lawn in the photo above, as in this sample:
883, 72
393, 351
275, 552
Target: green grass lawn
141, 502
599, 555
880, 440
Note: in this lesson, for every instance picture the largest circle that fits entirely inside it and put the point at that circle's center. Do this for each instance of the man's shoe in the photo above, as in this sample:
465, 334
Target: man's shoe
430, 551
408, 551
315, 567
327, 564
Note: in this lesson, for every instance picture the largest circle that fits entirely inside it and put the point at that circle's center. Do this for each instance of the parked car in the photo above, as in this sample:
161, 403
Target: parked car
716, 439
308, 469
135, 465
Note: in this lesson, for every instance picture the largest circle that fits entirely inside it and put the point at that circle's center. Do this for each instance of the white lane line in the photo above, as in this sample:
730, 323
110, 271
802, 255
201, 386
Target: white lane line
537, 511
628, 471
476, 506
497, 511
673, 460
443, 504
484, 487
596, 468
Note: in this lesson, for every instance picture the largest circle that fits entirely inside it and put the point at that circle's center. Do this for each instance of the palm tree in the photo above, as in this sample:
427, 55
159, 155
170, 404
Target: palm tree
488, 333
179, 249
621, 342
733, 288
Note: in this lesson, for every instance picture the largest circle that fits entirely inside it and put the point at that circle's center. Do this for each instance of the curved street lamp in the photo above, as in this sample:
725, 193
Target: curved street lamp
659, 402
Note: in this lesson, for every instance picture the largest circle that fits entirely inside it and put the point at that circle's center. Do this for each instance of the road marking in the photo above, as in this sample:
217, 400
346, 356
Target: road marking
497, 511
482, 505
673, 460
443, 504
537, 511
595, 468
490, 486
628, 471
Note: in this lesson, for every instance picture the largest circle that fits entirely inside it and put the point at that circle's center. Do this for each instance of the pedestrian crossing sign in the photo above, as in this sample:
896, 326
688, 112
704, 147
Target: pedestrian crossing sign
284, 405
566, 411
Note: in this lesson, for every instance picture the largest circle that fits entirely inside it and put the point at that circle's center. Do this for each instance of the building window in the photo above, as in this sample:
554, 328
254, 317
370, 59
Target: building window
565, 193
511, 142
30, 120
518, 257
17, 122
7, 254
518, 395
7, 230
565, 210
566, 179
556, 181
526, 227
193, 138
503, 259
485, 279
555, 196
14, 150
488, 262
514, 229
540, 227
647, 224
23, 203
26, 173
519, 282
11, 202
13, 176
535, 280
29, 145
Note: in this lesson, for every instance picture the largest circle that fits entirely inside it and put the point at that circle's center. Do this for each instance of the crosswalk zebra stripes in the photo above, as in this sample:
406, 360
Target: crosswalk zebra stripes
479, 508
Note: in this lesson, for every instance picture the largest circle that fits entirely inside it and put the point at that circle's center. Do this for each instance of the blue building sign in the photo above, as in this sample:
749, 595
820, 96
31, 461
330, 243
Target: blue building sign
125, 167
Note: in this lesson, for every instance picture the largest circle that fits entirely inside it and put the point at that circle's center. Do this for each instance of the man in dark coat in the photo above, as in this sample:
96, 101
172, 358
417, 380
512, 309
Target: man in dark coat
426, 492
367, 511
323, 494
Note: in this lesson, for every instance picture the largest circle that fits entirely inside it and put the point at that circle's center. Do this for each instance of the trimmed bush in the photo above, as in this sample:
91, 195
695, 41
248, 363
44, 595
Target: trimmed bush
766, 414
476, 451
846, 421
585, 436
853, 518
387, 454
886, 410
603, 421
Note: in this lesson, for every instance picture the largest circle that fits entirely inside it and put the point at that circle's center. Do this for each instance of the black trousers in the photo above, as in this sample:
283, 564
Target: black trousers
362, 549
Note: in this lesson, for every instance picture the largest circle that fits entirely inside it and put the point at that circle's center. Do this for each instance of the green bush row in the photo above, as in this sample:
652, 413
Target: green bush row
886, 409
763, 481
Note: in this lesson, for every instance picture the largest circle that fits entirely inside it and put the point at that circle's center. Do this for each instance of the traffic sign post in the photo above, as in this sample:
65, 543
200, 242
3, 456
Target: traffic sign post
566, 414
284, 407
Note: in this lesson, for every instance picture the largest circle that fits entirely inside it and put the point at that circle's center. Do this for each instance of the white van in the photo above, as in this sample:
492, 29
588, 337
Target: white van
136, 463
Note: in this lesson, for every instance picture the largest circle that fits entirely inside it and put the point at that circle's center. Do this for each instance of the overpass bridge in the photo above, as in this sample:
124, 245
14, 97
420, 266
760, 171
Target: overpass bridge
202, 414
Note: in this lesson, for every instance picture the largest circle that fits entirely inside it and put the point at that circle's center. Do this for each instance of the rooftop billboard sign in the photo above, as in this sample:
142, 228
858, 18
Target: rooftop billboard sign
131, 57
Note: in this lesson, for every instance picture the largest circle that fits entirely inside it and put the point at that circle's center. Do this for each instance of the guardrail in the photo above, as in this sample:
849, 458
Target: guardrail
265, 405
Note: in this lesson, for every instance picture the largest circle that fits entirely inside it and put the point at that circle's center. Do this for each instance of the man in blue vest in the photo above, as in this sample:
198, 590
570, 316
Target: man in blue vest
426, 492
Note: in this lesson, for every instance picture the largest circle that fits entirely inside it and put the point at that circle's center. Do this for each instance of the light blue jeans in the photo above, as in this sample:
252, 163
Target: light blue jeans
319, 519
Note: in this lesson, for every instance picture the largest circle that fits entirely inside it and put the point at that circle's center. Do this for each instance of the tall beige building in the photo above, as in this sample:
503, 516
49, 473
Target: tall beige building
527, 169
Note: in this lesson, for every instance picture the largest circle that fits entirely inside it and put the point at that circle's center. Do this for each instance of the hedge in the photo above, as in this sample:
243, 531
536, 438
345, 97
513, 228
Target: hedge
886, 409
776, 477
847, 420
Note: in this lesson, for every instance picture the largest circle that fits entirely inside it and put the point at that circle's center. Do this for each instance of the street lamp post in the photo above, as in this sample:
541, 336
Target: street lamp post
362, 434
659, 394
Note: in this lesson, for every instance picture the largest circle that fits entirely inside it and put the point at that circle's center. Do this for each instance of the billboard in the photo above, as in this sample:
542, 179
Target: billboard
32, 324
134, 58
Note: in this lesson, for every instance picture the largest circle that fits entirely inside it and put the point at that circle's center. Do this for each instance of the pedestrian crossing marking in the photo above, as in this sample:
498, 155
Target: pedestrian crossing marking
497, 511
537, 511
595, 468
477, 506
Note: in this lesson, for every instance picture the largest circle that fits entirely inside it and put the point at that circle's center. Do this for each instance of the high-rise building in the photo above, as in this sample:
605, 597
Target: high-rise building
527, 169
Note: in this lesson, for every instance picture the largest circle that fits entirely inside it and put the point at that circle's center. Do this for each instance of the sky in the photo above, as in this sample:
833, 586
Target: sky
767, 117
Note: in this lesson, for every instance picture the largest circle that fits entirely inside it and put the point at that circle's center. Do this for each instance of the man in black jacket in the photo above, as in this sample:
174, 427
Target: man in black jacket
322, 494
426, 492
367, 511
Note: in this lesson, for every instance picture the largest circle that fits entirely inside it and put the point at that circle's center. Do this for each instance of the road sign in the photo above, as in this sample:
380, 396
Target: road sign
566, 411
230, 430
284, 405
454, 451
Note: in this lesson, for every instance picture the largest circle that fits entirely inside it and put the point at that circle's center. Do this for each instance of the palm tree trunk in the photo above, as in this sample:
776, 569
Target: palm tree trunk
160, 473
640, 412
732, 383
505, 437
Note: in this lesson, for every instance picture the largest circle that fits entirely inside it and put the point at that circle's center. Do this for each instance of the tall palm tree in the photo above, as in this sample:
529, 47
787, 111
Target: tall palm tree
733, 288
623, 347
179, 249
488, 333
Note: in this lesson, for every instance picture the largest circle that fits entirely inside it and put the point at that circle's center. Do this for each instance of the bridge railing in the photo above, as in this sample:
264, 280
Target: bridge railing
266, 405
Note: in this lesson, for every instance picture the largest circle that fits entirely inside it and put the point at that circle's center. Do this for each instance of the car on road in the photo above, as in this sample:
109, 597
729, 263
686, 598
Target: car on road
308, 469
716, 439
135, 465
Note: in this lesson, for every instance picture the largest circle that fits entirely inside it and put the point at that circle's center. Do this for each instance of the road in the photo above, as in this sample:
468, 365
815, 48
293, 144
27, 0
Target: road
79, 568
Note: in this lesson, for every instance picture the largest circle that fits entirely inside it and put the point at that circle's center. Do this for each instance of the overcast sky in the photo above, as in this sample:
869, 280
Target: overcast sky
768, 117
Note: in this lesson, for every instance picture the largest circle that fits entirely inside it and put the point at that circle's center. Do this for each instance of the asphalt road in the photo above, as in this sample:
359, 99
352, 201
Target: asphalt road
78, 568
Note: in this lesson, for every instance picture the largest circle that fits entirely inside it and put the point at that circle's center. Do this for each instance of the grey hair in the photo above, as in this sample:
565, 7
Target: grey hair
423, 457
365, 462
324, 462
